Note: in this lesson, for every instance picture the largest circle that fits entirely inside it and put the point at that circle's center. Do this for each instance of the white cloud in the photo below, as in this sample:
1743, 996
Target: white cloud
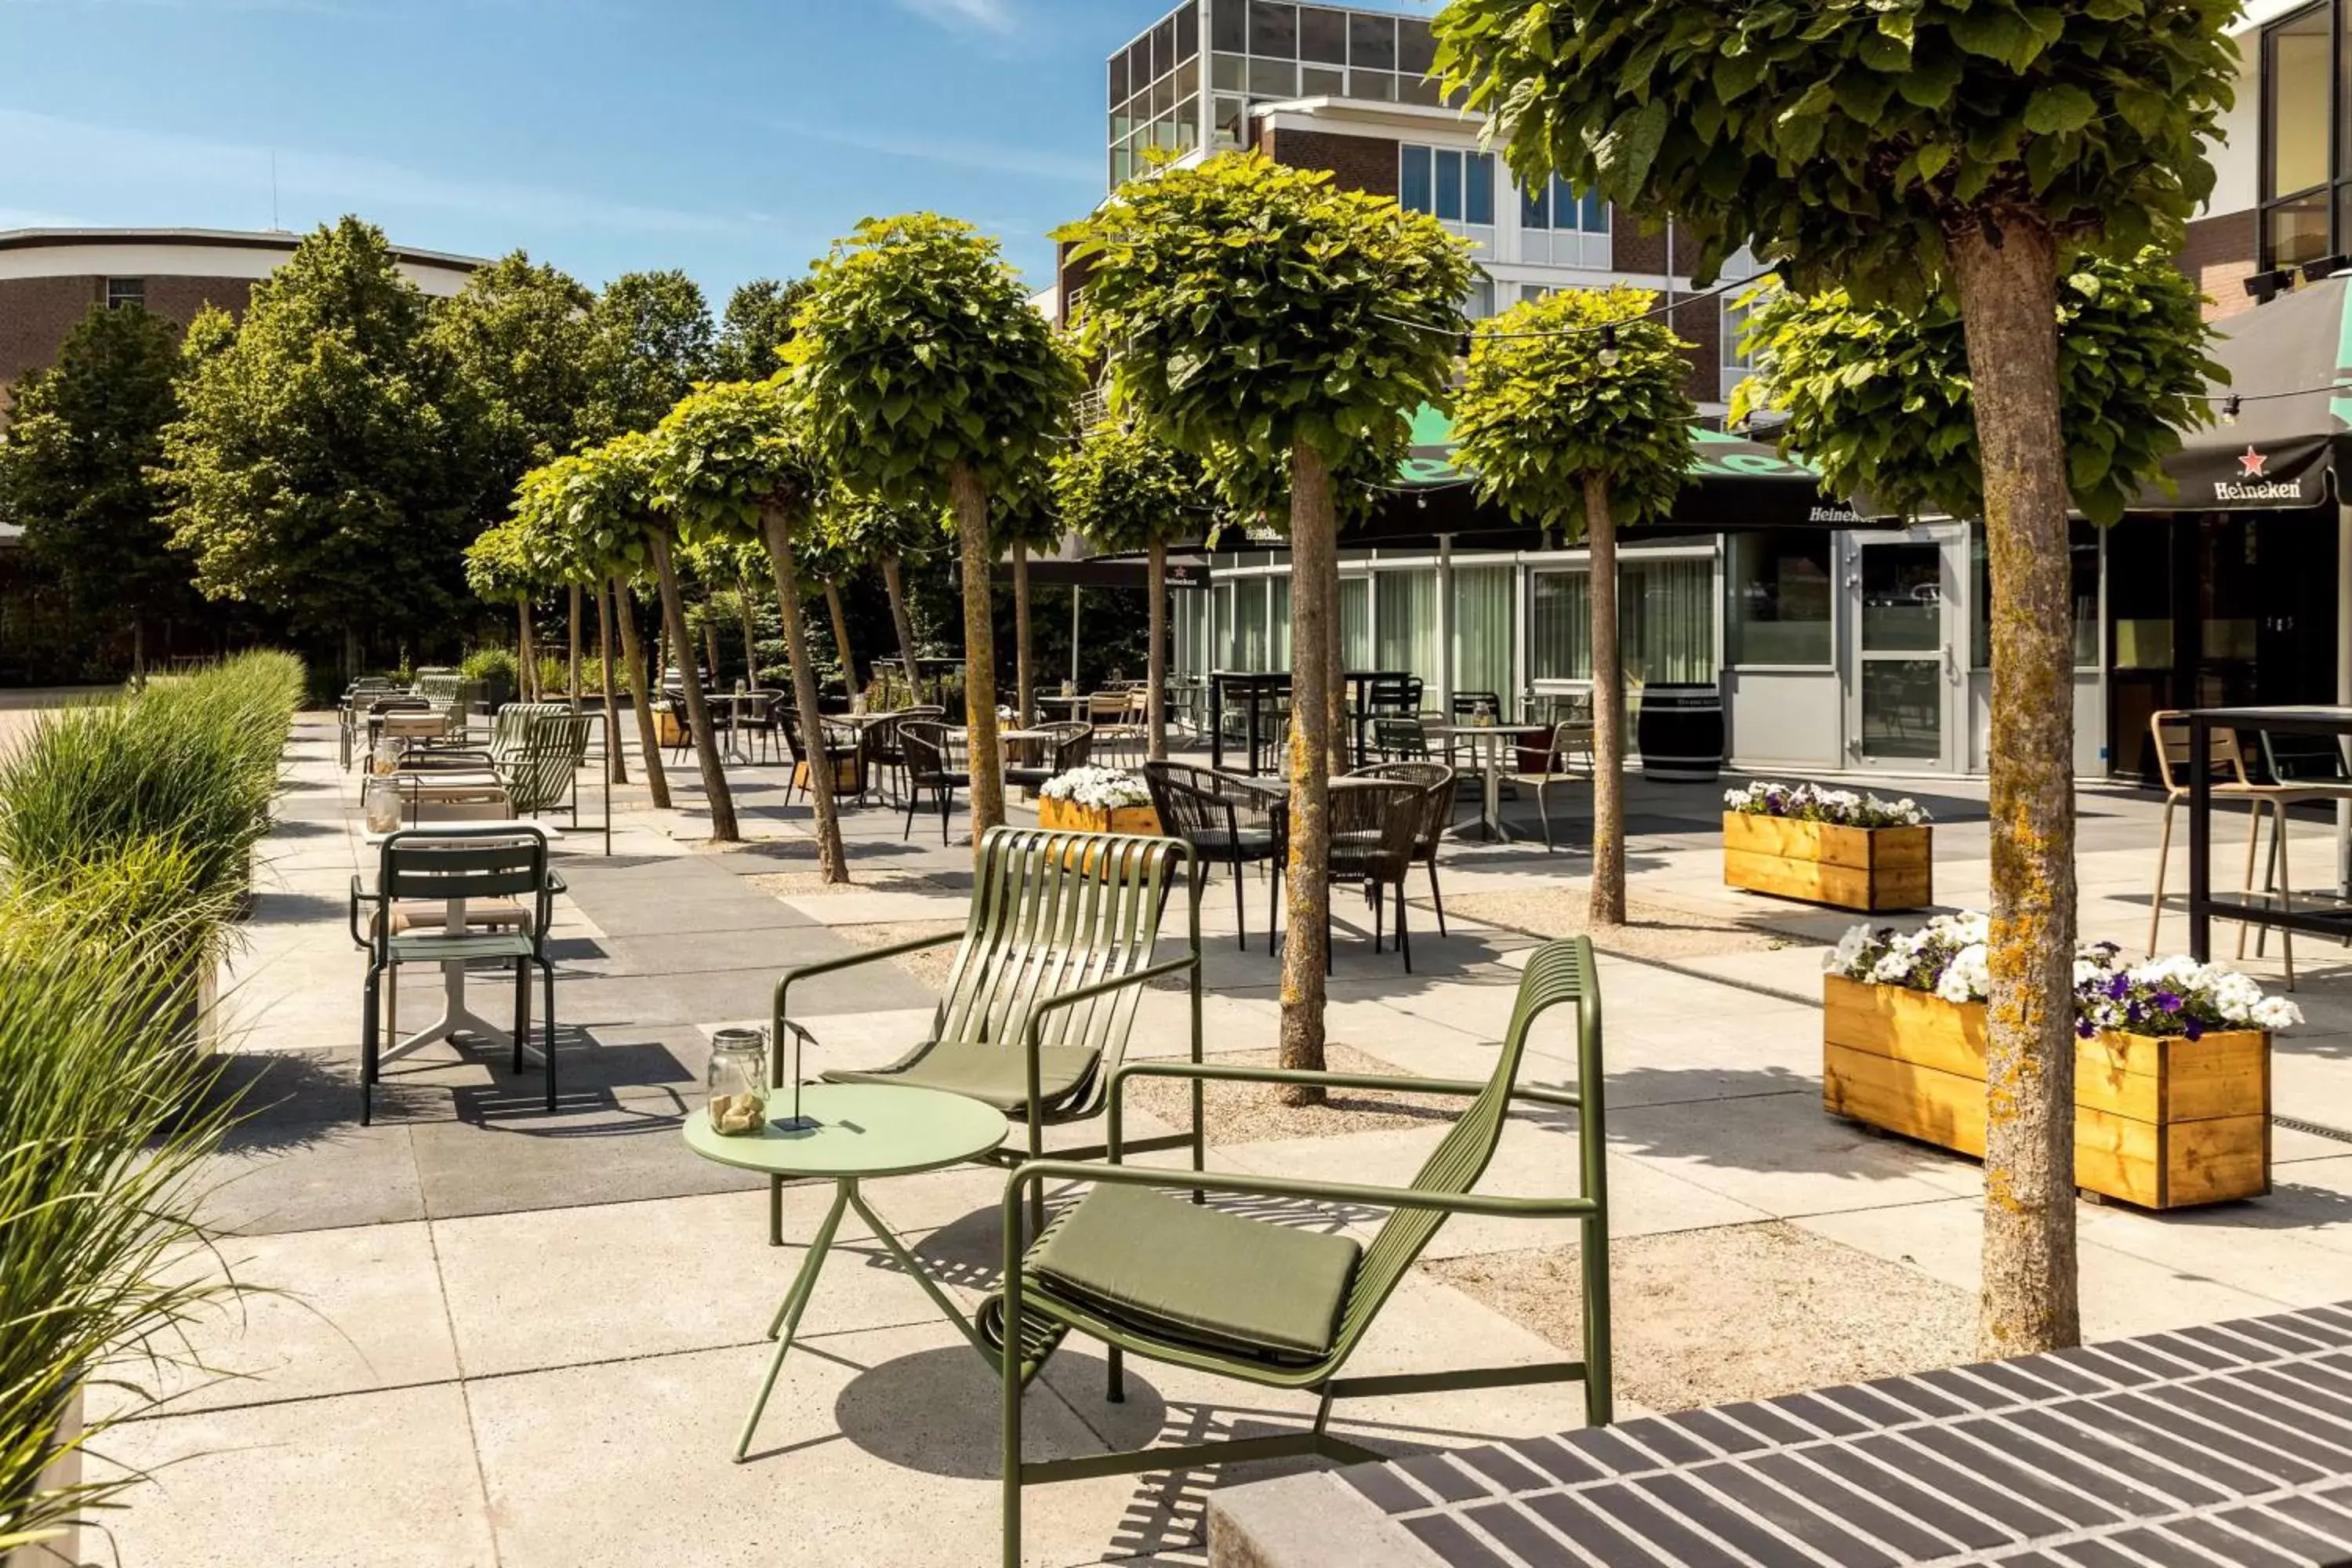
986, 15
989, 157
201, 171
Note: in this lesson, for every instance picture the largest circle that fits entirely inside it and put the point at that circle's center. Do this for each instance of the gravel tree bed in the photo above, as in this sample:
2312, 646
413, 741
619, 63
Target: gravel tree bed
1650, 931
1249, 1112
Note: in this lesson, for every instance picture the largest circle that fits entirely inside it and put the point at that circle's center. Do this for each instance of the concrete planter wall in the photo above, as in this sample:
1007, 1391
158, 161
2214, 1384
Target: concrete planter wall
2161, 1122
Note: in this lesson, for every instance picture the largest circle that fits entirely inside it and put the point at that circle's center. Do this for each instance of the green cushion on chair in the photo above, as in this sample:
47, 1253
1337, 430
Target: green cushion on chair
1174, 1270
993, 1074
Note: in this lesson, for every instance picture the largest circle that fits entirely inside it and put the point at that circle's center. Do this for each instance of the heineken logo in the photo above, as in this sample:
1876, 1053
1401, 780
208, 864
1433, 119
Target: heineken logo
2252, 463
2252, 482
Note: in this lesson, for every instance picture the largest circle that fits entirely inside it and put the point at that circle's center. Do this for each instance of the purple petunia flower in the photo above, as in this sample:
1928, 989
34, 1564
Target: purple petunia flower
2118, 986
2169, 1001
2192, 1028
2086, 1028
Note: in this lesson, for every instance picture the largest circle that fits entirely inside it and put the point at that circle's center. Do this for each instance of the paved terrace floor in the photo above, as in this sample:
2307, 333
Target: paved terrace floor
503, 1337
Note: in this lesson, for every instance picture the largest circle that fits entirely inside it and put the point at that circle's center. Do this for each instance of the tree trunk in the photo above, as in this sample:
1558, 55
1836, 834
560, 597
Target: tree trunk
711, 639
2007, 304
971, 503
1608, 907
833, 862
751, 637
1307, 947
138, 652
350, 655
640, 695
698, 713
1025, 694
905, 626
1335, 701
528, 656
616, 763
1155, 672
574, 628
841, 641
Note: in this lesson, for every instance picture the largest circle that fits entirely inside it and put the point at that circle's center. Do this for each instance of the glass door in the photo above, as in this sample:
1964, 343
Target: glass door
1905, 685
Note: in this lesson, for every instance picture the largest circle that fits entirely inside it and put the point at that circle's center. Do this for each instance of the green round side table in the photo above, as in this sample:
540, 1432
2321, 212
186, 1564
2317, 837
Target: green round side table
853, 1131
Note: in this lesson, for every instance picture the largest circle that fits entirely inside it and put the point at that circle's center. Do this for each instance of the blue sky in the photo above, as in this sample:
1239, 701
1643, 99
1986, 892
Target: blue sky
728, 137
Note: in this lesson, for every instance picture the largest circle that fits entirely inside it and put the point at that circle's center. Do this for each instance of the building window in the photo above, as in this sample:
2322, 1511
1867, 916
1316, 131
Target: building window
126, 291
2083, 590
1155, 92
1665, 622
1559, 228
1779, 585
1452, 186
2307, 169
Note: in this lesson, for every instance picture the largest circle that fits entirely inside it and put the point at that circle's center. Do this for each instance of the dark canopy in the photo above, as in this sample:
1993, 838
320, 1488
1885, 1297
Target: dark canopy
2290, 364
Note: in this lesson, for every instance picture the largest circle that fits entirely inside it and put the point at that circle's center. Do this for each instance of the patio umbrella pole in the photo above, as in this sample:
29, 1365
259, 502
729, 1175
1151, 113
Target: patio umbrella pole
1074, 592
2343, 689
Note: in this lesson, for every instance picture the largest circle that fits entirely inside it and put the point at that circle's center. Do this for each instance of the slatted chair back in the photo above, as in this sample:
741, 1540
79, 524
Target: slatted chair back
442, 864
1106, 707
442, 693
1399, 738
2168, 727
1388, 694
1070, 746
1436, 780
1559, 973
1467, 703
1187, 804
513, 720
932, 755
1052, 911
1571, 738
399, 704
539, 770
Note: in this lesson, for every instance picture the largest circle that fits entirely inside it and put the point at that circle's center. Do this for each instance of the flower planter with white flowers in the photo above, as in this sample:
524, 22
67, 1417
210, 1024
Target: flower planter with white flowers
1097, 799
2172, 1091
1828, 846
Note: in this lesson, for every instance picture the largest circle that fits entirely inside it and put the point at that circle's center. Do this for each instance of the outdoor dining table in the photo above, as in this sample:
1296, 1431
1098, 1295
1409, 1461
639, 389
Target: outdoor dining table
846, 1134
1491, 737
2299, 720
454, 794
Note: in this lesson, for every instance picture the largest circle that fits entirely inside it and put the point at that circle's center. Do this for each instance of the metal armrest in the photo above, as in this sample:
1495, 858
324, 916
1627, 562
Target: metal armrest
1032, 1042
360, 895
828, 966
1224, 1072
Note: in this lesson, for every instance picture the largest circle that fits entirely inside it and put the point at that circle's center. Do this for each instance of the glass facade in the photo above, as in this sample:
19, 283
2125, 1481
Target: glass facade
1665, 622
2307, 136
1155, 92
1559, 226
1781, 588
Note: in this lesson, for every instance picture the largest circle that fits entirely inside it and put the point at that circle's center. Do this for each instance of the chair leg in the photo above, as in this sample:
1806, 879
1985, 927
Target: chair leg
1404, 931
390, 1006
1240, 921
1117, 1392
521, 1010
1543, 810
547, 975
912, 797
946, 806
1434, 896
2163, 852
369, 994
1274, 924
1378, 897
2246, 885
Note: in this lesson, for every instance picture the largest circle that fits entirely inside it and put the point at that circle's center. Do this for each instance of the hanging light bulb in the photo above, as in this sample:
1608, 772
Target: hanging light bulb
1422, 502
2230, 407
1608, 355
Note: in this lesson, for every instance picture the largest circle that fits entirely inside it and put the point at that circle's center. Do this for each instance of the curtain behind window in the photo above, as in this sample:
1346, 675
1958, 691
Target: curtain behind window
1405, 624
1355, 622
1484, 606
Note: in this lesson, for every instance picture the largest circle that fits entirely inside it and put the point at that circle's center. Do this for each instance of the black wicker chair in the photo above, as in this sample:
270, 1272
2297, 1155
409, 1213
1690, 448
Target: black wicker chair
1071, 745
883, 752
1374, 825
1436, 780
840, 748
1224, 819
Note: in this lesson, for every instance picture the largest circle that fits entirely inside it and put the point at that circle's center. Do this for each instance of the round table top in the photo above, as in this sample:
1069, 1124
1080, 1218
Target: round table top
862, 1129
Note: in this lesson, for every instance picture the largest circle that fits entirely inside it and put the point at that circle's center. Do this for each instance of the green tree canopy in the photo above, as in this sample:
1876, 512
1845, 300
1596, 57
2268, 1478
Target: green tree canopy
918, 353
75, 467
1847, 139
730, 451
327, 461
1122, 488
521, 333
757, 324
1880, 401
1540, 412
650, 343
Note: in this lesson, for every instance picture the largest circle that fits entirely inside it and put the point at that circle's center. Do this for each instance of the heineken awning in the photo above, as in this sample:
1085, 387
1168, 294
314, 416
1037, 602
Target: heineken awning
2290, 364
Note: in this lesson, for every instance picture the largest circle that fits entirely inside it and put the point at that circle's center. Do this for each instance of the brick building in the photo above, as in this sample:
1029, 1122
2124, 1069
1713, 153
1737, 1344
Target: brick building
50, 278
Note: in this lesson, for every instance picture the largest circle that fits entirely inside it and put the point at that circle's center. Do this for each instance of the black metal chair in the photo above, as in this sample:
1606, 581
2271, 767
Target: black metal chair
935, 760
1224, 819
1400, 740
490, 869
1436, 780
840, 747
1069, 747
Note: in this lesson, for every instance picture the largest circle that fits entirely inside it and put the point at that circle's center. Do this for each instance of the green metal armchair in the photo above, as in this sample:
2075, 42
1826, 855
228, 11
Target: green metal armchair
1274, 1305
1054, 956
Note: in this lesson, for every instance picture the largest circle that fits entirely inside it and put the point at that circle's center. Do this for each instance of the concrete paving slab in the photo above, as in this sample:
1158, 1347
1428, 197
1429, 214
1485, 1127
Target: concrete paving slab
602, 1146
1783, 1154
272, 1178
323, 1312
363, 1480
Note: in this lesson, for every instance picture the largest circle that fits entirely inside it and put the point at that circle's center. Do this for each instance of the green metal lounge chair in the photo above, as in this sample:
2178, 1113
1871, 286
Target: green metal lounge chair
541, 768
1054, 956
1274, 1305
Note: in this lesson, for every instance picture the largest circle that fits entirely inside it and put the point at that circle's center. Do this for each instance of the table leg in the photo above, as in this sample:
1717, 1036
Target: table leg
953, 1313
787, 1321
2200, 838
455, 1017
1493, 783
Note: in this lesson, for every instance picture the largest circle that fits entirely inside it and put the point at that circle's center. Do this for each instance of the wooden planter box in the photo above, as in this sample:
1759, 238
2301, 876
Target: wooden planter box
2159, 1122
1865, 869
1069, 818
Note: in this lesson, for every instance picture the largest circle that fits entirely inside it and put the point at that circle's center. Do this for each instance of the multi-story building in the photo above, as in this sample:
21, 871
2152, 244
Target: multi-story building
50, 278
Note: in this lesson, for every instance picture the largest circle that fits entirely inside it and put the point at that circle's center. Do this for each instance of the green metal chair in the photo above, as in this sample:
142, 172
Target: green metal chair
462, 870
541, 768
1274, 1305
1054, 954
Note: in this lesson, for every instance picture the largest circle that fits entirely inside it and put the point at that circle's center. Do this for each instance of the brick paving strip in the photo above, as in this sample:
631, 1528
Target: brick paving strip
2226, 1444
